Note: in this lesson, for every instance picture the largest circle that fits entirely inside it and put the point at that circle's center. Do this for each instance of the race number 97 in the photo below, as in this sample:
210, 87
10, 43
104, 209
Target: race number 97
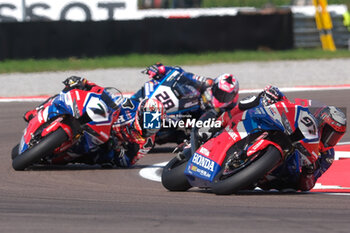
166, 100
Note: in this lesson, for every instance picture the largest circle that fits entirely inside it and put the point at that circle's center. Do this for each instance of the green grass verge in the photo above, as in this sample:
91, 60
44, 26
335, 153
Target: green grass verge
143, 60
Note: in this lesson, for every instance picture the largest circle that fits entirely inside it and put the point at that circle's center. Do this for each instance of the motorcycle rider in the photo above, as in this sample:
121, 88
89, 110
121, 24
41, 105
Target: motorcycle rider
217, 96
157, 71
130, 140
331, 126
70, 83
220, 93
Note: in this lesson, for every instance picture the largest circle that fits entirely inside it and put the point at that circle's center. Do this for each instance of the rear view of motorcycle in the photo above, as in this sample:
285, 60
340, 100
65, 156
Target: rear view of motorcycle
245, 151
63, 121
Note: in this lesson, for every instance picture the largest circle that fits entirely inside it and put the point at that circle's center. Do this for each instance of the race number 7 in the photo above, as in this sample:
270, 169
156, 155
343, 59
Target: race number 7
166, 100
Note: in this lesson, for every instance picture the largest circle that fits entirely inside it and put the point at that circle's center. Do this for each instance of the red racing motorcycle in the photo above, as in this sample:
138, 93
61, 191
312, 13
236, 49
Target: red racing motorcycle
249, 148
75, 115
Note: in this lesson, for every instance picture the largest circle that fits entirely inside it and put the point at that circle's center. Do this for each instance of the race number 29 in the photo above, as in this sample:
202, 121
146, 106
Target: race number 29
166, 100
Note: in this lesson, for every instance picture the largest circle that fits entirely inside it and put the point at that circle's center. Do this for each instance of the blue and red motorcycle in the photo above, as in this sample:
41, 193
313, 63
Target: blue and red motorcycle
254, 143
181, 99
70, 117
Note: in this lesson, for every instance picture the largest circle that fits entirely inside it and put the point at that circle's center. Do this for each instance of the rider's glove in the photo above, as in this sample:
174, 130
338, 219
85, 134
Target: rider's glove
156, 71
271, 95
307, 179
205, 133
75, 82
120, 158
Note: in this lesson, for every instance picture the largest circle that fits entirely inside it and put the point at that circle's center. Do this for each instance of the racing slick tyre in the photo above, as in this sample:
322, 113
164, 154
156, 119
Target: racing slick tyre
248, 175
14, 152
173, 175
45, 147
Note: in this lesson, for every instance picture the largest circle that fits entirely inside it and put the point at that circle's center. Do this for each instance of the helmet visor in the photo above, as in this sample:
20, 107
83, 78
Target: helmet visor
223, 96
330, 137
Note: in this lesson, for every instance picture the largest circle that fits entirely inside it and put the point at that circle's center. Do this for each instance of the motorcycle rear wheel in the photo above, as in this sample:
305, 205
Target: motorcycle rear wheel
45, 147
247, 176
173, 175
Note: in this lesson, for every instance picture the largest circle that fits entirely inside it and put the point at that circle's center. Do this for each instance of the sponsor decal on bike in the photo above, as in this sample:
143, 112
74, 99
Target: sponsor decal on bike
202, 167
253, 149
232, 134
200, 171
203, 162
191, 104
204, 151
173, 75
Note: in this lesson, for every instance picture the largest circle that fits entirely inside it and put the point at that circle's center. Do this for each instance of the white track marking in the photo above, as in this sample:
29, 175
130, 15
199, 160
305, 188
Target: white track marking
153, 172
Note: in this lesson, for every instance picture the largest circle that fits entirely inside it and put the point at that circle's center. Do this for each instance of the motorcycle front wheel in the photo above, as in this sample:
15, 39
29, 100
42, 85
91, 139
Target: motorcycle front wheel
173, 175
43, 148
227, 185
14, 151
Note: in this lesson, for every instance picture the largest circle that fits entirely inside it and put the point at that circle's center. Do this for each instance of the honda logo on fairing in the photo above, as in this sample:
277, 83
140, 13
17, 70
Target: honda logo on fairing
203, 162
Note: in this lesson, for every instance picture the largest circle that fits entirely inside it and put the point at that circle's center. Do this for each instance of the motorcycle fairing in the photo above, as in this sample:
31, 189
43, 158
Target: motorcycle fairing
201, 170
70, 103
207, 161
176, 92
127, 112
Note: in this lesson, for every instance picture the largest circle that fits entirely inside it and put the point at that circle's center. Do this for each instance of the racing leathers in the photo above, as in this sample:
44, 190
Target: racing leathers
129, 145
191, 89
125, 145
295, 173
157, 71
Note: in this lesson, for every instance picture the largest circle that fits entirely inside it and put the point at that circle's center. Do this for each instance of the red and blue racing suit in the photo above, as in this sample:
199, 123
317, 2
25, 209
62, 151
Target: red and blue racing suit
291, 174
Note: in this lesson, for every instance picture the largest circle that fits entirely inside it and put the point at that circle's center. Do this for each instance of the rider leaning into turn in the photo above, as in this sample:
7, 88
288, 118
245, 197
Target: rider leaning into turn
331, 126
220, 93
129, 140
157, 71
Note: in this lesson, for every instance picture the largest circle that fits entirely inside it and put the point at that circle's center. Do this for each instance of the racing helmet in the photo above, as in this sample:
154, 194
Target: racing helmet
332, 126
271, 95
150, 110
225, 91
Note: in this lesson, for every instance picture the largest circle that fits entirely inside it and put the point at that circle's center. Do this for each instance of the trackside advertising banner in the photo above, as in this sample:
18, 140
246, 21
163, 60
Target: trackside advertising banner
75, 10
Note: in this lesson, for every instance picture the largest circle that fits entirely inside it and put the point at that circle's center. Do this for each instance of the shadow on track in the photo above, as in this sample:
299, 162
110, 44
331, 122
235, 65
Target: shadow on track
253, 192
81, 167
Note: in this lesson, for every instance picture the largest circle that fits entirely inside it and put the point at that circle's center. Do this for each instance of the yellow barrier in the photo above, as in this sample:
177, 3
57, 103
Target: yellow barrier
324, 24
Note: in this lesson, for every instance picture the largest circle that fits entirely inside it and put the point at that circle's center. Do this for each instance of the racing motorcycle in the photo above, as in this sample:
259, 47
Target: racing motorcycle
249, 148
181, 100
70, 117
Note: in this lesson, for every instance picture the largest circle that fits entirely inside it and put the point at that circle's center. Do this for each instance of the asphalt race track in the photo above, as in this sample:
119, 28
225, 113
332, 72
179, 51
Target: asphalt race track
89, 199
